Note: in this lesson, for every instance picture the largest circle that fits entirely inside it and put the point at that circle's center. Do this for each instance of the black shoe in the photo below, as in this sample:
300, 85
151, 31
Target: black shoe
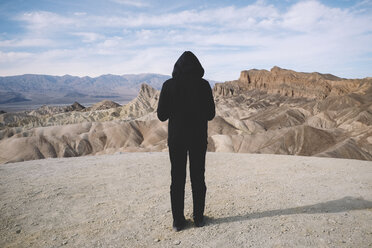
199, 222
179, 226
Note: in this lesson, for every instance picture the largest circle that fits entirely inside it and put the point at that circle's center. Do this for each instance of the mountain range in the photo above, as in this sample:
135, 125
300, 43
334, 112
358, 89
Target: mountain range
46, 89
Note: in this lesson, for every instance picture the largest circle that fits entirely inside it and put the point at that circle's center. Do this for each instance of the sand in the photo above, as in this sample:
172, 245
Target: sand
122, 200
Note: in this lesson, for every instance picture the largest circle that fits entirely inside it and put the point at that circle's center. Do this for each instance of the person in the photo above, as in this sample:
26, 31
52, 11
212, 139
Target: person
187, 101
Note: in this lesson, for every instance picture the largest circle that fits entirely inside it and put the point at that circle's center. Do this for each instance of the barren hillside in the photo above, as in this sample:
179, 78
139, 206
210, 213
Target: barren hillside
276, 112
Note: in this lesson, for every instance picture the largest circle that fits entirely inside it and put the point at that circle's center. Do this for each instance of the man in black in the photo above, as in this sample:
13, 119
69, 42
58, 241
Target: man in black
187, 101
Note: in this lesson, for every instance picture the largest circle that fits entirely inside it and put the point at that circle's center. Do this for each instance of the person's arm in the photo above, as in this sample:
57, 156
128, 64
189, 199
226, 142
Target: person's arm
163, 104
211, 112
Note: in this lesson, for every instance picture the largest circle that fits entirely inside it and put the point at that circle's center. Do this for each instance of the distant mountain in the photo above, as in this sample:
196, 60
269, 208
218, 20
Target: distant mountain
12, 97
75, 94
36, 90
70, 85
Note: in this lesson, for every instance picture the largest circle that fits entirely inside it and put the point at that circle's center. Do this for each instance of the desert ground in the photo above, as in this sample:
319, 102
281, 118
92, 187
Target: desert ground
122, 200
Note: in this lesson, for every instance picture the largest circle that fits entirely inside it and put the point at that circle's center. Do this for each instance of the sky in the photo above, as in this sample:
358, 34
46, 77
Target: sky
95, 37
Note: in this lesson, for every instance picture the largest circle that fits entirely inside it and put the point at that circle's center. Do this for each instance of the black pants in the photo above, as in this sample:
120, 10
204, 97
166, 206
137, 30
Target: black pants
178, 158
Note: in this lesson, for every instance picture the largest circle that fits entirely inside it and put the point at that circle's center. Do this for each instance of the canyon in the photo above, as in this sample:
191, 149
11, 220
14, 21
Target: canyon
272, 112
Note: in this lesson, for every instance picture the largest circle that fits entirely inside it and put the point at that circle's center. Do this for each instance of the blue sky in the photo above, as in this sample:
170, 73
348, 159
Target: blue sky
93, 37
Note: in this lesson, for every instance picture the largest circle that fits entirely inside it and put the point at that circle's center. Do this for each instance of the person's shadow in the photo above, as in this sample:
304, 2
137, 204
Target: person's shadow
344, 204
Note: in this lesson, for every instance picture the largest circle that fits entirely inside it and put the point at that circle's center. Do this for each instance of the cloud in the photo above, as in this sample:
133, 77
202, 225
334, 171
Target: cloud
134, 3
88, 37
26, 42
224, 17
307, 36
11, 57
80, 13
41, 20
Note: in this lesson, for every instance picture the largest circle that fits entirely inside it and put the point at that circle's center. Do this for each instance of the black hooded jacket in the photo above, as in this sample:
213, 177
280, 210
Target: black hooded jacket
187, 101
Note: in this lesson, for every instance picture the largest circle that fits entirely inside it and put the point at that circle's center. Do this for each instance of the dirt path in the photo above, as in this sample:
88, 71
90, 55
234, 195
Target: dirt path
123, 201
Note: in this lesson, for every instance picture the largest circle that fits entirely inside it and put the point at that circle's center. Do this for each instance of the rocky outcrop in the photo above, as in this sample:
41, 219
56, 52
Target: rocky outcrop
289, 83
146, 102
247, 121
143, 104
76, 107
105, 104
83, 139
52, 110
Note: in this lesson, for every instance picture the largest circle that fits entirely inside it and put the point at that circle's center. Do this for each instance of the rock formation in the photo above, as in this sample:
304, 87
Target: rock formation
289, 83
146, 102
287, 112
52, 110
105, 104
277, 112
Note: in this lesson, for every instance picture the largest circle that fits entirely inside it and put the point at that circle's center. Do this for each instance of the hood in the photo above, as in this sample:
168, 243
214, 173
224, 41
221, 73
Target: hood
188, 66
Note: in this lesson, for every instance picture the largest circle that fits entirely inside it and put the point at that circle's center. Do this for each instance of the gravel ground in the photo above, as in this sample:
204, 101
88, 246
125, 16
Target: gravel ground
253, 200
